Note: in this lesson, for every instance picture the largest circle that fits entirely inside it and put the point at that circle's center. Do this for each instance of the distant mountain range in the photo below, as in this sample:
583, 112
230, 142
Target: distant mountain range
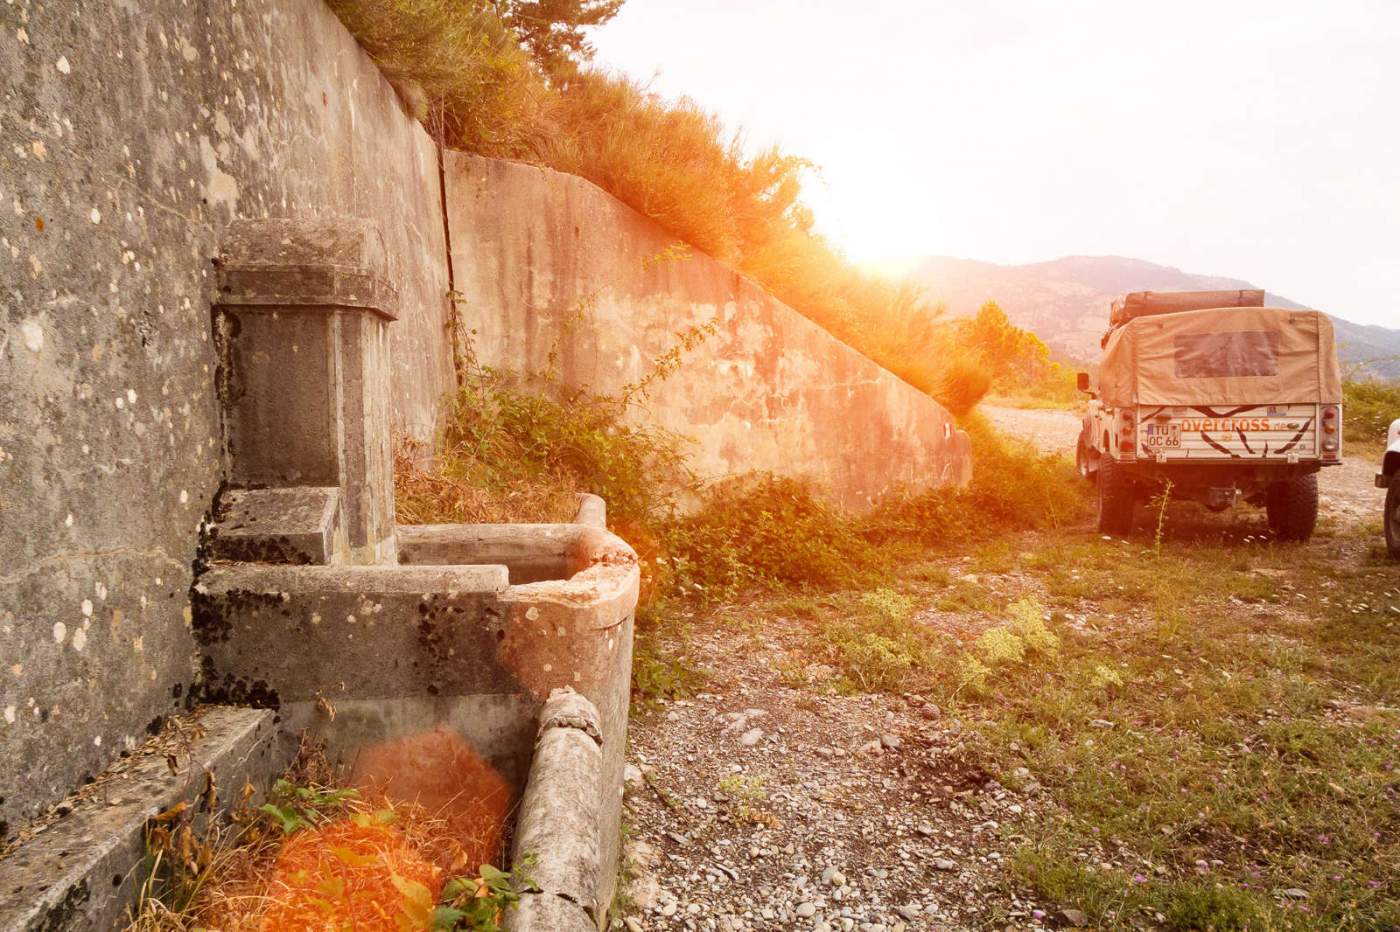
1066, 301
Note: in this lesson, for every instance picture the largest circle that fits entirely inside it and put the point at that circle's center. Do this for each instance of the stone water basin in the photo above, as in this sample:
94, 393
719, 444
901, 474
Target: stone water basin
427, 679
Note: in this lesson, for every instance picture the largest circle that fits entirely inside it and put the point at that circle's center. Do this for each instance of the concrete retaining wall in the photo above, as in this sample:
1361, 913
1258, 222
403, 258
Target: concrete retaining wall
134, 132
550, 263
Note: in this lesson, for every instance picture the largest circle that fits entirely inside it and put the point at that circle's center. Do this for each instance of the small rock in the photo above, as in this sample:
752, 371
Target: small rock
908, 912
1073, 917
645, 892
872, 747
1294, 893
944, 864
632, 774
633, 924
751, 737
806, 910
891, 741
834, 877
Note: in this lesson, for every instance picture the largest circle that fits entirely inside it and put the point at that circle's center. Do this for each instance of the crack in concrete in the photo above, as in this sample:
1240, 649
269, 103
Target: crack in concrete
75, 555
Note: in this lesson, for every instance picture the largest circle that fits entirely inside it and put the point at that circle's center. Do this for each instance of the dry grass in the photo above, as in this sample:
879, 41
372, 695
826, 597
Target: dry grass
445, 489
351, 861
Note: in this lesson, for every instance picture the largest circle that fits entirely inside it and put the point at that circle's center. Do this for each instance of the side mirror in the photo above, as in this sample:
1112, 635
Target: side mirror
1081, 381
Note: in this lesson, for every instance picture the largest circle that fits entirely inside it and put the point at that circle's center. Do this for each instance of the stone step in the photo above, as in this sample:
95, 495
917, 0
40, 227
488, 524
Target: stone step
83, 871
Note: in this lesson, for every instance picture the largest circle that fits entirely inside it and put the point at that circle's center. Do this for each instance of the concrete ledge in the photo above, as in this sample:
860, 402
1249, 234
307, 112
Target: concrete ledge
293, 525
273, 634
319, 262
531, 552
84, 871
560, 816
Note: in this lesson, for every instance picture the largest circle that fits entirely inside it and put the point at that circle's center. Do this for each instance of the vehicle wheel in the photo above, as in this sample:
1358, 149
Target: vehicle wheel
1292, 508
1084, 462
1116, 498
1392, 518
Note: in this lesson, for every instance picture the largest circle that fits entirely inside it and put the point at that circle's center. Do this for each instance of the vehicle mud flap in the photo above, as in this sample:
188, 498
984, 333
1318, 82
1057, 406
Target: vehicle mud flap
1392, 518
1084, 461
1117, 498
1292, 508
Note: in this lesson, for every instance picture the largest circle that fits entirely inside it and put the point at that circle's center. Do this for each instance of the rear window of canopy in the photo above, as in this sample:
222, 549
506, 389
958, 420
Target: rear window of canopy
1234, 354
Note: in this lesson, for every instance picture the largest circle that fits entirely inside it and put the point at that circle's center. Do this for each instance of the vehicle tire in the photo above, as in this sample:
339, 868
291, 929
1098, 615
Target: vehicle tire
1292, 508
1392, 518
1084, 461
1117, 499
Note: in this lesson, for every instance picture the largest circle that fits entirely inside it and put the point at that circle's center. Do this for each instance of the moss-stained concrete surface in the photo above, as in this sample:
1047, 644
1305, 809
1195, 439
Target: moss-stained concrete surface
133, 133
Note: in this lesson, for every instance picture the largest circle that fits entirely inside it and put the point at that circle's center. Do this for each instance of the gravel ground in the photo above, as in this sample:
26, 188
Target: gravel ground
766, 804
761, 806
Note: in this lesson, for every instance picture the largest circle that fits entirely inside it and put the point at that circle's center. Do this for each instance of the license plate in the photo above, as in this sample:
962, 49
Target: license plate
1161, 436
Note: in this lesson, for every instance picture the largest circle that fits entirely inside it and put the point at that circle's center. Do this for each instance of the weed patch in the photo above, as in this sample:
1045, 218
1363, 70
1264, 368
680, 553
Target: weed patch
1208, 774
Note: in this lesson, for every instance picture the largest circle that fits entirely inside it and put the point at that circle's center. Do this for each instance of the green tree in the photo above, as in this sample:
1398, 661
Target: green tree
1015, 357
553, 30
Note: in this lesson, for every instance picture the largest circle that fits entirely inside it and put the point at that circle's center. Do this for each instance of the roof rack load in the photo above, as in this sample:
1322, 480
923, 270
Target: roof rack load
1144, 303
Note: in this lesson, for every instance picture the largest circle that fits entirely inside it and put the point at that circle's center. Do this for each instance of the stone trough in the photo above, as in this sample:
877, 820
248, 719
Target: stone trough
481, 670
441, 679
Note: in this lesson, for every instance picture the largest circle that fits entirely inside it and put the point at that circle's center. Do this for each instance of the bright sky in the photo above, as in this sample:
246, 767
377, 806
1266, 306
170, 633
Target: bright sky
1259, 140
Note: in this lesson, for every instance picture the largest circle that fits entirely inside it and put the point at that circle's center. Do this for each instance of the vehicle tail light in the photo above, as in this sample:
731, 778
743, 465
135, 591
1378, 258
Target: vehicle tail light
1331, 432
1127, 431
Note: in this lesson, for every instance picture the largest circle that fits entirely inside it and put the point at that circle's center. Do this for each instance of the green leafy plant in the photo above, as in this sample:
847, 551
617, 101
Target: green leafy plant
746, 796
300, 807
479, 903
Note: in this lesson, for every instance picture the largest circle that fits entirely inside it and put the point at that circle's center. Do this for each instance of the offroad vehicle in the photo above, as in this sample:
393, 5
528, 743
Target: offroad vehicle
1389, 479
1217, 395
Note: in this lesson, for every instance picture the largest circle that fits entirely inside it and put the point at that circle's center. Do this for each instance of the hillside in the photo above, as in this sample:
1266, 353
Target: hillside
1066, 300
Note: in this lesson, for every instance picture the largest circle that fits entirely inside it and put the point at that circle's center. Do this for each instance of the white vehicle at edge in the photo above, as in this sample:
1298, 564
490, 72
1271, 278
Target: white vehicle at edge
1389, 479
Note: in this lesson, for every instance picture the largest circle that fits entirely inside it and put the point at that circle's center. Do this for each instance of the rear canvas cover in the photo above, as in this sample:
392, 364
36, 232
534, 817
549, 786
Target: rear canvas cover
1222, 356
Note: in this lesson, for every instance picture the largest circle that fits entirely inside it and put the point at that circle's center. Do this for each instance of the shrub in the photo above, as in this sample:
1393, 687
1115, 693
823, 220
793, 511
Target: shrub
458, 67
1027, 620
961, 384
1013, 486
760, 529
873, 644
509, 453
1367, 410
1000, 647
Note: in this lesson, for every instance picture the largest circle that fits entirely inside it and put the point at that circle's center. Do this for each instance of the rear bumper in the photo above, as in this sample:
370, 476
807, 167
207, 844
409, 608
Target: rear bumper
1243, 474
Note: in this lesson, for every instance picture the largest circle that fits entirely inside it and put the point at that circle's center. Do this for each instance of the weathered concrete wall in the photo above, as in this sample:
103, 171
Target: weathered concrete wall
134, 131
548, 262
